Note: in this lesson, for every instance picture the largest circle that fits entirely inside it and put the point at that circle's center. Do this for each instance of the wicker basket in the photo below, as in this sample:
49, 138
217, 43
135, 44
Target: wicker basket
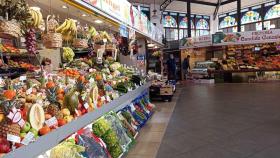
52, 40
110, 47
98, 46
9, 29
80, 43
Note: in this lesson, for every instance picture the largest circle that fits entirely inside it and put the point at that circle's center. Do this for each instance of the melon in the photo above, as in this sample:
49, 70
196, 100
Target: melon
71, 101
94, 93
36, 116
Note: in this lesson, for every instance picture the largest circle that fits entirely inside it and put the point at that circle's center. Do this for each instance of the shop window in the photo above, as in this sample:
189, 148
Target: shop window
228, 21
169, 21
250, 17
273, 12
171, 34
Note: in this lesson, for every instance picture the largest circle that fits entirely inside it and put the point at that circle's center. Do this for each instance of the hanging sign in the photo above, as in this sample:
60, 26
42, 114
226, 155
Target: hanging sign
201, 41
249, 37
123, 31
124, 12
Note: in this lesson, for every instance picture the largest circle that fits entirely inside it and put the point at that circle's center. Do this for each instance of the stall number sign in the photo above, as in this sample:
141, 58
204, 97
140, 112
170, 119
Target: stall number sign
123, 31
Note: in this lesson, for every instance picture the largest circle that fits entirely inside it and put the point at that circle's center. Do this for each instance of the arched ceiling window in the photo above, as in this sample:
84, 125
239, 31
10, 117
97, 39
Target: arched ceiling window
184, 23
273, 12
169, 21
228, 21
250, 17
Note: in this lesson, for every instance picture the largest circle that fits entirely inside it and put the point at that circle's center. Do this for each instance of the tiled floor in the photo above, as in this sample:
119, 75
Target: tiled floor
150, 136
224, 121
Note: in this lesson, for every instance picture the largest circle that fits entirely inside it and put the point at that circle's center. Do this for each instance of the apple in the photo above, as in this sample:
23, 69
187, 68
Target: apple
68, 118
34, 131
65, 112
26, 127
5, 148
22, 135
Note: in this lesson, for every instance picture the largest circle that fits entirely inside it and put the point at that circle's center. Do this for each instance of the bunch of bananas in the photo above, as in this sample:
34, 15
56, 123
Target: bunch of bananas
68, 54
37, 17
105, 35
68, 29
92, 32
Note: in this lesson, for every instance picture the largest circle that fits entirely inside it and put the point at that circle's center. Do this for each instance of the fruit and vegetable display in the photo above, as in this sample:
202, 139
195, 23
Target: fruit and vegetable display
41, 105
252, 57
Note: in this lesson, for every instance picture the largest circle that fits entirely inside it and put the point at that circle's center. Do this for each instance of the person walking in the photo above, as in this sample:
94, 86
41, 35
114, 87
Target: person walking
171, 67
186, 66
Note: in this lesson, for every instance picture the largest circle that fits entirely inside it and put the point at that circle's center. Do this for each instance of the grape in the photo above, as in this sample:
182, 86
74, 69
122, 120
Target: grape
31, 41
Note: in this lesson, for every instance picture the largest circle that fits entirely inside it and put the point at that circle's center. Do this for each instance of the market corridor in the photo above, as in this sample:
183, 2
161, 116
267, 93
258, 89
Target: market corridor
224, 121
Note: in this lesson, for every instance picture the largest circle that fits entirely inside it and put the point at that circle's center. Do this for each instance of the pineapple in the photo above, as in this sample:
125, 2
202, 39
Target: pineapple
54, 110
51, 95
6, 127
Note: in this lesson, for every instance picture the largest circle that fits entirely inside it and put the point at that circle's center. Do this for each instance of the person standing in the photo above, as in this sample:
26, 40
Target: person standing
186, 66
171, 67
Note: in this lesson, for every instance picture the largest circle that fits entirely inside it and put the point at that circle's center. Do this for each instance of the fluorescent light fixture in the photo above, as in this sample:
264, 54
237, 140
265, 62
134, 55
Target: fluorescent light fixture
84, 15
64, 7
98, 21
156, 47
36, 8
150, 45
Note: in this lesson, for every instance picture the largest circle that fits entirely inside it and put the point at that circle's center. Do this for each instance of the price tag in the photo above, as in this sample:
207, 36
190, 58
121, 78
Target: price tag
13, 138
29, 91
51, 122
104, 76
91, 80
86, 105
108, 98
90, 70
84, 97
132, 107
1, 80
95, 104
28, 138
103, 98
22, 78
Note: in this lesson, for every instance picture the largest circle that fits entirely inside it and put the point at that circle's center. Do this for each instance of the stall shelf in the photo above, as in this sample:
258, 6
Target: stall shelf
55, 137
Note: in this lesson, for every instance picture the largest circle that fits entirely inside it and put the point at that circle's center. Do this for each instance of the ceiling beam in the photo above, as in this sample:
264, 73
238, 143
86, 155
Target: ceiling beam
200, 2
217, 9
164, 4
227, 2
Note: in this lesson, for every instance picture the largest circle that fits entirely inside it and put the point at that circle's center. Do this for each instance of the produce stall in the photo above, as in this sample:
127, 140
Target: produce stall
241, 57
64, 92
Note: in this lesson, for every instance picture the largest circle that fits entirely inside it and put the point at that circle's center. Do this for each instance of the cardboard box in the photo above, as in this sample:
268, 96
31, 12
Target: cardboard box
166, 90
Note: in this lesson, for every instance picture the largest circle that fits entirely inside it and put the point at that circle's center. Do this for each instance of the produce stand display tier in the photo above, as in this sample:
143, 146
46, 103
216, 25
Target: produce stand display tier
53, 138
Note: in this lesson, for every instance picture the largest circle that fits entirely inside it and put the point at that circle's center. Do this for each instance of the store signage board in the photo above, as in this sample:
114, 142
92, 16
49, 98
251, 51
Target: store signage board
201, 41
124, 12
250, 37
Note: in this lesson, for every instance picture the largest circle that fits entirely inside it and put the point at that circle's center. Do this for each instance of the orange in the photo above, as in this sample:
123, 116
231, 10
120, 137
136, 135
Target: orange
50, 84
44, 130
9, 94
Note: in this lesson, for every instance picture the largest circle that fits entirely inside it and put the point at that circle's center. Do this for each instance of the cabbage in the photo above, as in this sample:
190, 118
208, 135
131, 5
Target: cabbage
67, 149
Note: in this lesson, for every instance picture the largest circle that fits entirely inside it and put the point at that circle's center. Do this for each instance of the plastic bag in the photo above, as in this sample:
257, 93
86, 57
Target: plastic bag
102, 128
94, 148
67, 149
116, 125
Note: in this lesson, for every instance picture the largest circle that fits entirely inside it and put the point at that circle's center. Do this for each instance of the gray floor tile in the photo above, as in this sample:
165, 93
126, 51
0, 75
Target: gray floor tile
224, 121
